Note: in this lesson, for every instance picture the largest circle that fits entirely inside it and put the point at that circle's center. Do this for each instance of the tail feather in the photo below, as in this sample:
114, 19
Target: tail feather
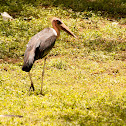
29, 59
27, 67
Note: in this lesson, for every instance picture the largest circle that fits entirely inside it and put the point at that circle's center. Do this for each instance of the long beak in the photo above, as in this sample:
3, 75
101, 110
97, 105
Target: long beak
66, 29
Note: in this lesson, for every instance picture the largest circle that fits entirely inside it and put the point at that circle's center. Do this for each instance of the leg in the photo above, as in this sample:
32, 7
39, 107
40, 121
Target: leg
32, 86
43, 75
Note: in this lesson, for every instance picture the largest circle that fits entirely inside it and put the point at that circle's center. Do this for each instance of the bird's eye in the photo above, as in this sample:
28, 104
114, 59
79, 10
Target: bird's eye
59, 22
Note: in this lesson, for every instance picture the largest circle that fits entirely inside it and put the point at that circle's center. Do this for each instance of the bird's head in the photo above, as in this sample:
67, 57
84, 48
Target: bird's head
56, 22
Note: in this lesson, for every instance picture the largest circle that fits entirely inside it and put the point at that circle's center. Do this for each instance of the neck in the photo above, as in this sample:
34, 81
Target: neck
56, 29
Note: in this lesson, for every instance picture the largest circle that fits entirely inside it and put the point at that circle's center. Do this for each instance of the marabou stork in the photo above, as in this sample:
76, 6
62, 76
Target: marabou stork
40, 45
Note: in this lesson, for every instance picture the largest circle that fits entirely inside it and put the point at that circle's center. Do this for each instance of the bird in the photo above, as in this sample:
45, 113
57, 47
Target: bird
40, 44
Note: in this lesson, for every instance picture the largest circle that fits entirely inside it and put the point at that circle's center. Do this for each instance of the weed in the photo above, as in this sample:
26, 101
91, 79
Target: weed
85, 78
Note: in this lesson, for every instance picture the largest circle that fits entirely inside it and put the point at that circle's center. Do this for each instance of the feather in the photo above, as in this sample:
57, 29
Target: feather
38, 47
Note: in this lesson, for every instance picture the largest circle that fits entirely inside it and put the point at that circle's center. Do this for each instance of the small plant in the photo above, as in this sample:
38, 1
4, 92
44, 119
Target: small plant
59, 64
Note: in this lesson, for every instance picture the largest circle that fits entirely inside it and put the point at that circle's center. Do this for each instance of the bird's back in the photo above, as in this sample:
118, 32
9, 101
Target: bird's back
38, 47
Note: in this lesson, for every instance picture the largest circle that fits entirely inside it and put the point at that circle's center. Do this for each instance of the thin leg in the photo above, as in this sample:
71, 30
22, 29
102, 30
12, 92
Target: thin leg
43, 75
32, 86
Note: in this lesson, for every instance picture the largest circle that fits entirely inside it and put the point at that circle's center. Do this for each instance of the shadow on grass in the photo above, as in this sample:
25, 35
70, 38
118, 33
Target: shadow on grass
108, 115
105, 45
111, 8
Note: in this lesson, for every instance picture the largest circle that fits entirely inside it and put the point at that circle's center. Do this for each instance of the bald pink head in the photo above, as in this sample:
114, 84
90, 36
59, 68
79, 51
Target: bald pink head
59, 25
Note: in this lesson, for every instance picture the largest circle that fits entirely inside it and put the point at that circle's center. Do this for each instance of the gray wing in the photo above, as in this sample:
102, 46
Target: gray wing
38, 47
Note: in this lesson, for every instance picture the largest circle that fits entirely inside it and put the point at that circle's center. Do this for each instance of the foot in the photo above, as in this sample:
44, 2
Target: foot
32, 86
41, 93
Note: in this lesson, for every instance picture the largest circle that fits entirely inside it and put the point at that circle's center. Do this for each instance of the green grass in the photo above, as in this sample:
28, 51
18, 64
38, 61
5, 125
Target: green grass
85, 78
79, 92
